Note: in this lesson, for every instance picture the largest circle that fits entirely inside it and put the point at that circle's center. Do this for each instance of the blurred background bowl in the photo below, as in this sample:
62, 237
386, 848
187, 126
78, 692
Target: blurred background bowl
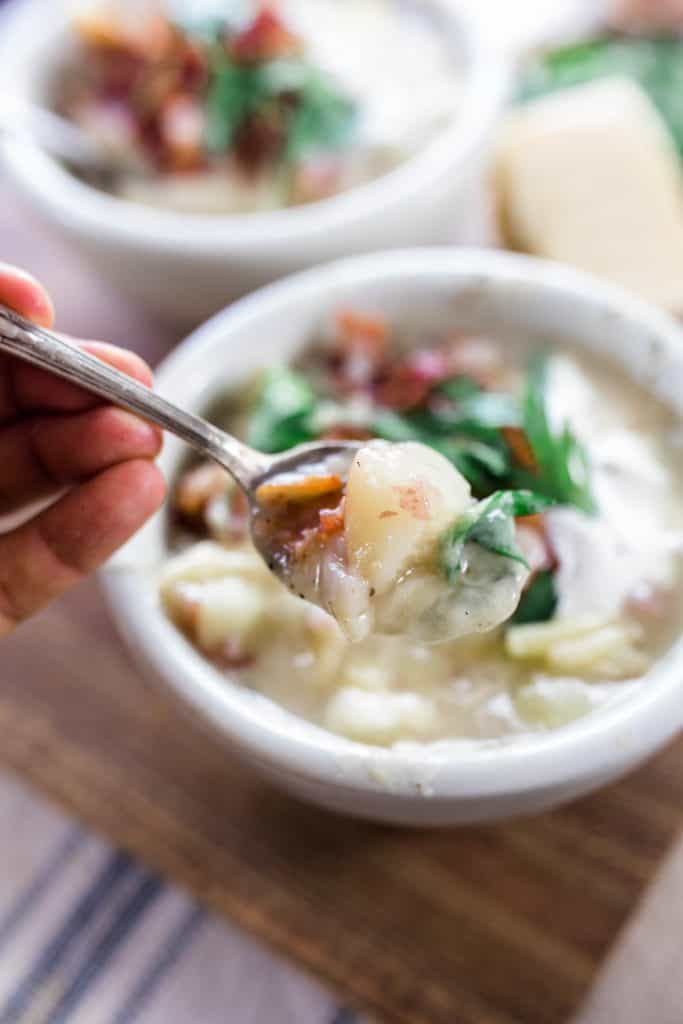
187, 267
444, 784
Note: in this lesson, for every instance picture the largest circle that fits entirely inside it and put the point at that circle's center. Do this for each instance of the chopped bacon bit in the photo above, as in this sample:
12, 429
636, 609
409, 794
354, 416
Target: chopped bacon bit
414, 501
332, 519
181, 127
147, 64
360, 350
193, 71
356, 330
520, 447
402, 392
160, 36
387, 514
299, 528
534, 545
535, 522
198, 487
297, 490
410, 382
99, 30
266, 38
477, 358
258, 140
346, 433
149, 35
117, 75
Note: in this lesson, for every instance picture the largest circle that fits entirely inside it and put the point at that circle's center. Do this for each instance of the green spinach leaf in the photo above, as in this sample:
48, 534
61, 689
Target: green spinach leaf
235, 92
562, 469
475, 409
481, 462
323, 117
280, 417
316, 114
539, 600
491, 524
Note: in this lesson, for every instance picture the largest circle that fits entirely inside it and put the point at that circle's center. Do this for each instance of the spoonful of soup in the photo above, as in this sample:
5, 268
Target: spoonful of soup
388, 539
385, 537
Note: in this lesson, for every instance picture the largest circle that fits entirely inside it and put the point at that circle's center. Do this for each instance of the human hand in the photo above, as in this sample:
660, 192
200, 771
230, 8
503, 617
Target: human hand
54, 436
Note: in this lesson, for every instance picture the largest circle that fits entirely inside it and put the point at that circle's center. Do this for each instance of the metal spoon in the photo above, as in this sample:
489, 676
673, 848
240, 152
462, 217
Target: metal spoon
86, 156
248, 467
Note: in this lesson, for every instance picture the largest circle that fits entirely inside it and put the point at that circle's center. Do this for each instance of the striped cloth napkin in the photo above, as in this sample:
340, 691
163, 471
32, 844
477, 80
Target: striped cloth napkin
88, 936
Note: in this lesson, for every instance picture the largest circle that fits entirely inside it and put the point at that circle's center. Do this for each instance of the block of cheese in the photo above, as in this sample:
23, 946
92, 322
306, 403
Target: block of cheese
590, 176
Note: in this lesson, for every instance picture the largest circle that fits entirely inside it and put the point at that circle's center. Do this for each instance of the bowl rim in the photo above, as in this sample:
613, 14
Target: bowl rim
81, 207
601, 743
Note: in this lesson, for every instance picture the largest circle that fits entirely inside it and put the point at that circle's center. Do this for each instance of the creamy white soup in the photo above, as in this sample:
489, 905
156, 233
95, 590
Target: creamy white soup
246, 106
570, 599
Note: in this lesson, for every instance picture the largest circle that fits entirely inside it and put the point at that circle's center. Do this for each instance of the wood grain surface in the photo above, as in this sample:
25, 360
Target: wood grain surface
486, 925
504, 925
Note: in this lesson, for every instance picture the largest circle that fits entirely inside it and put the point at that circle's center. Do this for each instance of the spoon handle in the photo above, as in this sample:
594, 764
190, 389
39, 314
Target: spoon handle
65, 141
55, 134
48, 351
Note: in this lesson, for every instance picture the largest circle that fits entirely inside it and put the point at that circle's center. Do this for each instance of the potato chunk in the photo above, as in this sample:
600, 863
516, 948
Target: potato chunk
380, 718
399, 500
590, 647
552, 702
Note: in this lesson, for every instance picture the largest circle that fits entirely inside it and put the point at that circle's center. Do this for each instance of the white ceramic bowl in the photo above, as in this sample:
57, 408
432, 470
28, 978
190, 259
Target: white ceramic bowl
187, 267
478, 290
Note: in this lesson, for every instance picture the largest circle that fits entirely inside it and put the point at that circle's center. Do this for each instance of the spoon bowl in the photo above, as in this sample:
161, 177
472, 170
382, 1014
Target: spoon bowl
252, 470
100, 165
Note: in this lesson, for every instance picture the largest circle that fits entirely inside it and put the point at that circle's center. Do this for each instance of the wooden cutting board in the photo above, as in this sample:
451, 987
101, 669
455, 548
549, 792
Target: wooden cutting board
502, 925
481, 926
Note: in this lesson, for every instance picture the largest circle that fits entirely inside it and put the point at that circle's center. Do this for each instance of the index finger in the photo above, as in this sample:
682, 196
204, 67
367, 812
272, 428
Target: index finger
23, 293
24, 389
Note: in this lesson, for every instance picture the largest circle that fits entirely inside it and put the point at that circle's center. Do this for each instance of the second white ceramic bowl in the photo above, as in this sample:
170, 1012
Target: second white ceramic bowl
186, 267
438, 784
